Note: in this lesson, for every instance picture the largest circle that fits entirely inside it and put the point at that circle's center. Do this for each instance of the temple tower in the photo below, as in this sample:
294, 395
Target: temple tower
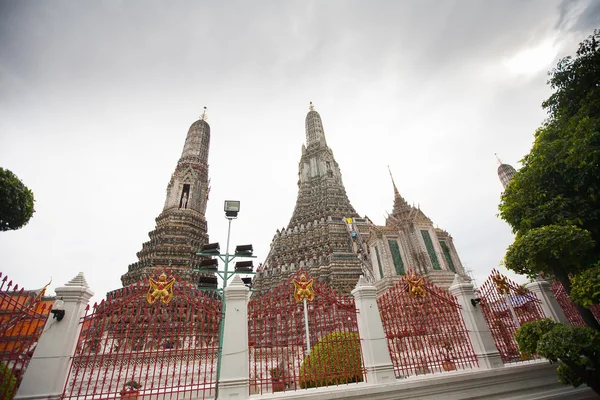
325, 234
409, 240
181, 227
505, 172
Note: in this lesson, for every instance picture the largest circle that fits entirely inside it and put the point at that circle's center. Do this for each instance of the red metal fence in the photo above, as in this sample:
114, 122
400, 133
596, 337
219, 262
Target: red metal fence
277, 340
170, 350
424, 328
569, 307
506, 306
23, 315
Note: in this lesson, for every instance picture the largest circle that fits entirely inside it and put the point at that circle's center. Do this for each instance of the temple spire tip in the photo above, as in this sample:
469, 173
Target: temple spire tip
204, 117
311, 107
393, 183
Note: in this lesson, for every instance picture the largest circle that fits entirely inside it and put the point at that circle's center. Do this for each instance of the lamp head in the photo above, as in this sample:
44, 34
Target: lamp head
244, 250
211, 248
243, 266
58, 309
232, 208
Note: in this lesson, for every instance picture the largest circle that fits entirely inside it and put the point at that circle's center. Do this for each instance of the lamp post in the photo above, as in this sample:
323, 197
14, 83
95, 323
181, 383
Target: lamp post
210, 266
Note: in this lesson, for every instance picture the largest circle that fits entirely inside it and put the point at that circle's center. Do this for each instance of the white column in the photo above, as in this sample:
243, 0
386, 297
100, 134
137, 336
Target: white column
543, 291
372, 338
479, 332
233, 381
46, 374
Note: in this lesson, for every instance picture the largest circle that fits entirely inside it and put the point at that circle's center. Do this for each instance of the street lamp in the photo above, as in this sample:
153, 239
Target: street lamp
211, 266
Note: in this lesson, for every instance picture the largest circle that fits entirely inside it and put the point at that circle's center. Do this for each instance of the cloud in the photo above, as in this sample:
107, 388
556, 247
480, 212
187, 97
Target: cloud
96, 99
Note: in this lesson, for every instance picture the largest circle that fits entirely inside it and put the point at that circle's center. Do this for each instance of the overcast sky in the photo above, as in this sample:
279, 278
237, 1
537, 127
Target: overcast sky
96, 99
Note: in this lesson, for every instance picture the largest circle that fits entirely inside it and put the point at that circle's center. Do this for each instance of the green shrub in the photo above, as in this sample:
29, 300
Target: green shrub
585, 287
530, 333
577, 347
8, 382
335, 359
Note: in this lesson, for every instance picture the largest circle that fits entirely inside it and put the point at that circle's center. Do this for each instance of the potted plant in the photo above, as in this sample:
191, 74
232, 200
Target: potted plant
131, 390
276, 379
448, 364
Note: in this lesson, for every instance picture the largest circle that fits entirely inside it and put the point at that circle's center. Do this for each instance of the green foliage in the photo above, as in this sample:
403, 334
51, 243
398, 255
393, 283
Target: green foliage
577, 347
573, 78
8, 382
16, 202
585, 287
568, 377
530, 333
553, 205
548, 249
558, 183
335, 359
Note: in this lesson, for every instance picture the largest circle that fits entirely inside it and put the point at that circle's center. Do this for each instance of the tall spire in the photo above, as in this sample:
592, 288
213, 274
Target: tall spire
318, 236
321, 192
505, 172
315, 135
181, 226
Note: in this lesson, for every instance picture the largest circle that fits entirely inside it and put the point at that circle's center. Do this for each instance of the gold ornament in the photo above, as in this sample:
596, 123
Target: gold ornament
501, 283
160, 289
303, 289
415, 285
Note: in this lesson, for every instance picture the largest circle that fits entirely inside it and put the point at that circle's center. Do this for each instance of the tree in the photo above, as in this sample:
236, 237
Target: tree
577, 347
553, 201
553, 206
16, 202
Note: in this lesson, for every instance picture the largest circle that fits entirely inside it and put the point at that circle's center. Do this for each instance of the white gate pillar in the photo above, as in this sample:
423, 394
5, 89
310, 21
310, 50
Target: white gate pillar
233, 380
479, 332
543, 291
47, 372
372, 337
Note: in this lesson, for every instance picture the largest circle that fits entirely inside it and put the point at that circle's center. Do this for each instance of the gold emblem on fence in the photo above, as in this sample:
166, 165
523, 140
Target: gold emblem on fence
303, 289
501, 283
160, 289
415, 285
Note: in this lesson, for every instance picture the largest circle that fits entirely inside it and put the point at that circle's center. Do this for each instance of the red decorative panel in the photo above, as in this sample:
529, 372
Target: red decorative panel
424, 328
23, 315
569, 307
170, 350
279, 359
506, 306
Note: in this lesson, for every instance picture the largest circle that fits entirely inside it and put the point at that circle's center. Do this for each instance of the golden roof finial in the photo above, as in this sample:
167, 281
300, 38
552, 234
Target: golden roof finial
311, 107
204, 117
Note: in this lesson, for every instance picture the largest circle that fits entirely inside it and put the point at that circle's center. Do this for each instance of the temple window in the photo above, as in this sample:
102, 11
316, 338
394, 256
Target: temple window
396, 257
446, 251
379, 262
431, 250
